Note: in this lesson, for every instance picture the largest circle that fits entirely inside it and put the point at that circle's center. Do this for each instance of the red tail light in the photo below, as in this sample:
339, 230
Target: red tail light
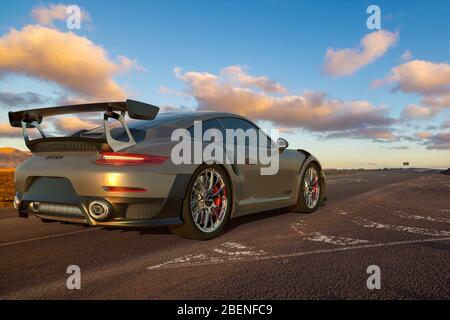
123, 189
129, 159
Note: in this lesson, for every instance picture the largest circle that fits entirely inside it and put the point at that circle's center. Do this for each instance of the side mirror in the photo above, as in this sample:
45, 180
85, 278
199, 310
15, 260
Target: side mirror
282, 144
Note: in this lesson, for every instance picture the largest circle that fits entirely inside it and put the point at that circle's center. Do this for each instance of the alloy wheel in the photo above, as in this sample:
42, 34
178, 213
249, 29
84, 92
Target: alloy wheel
311, 187
209, 200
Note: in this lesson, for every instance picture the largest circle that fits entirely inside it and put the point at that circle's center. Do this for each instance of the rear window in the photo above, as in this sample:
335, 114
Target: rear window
159, 128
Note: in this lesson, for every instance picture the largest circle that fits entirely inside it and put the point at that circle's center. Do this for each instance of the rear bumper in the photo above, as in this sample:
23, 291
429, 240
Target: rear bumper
125, 212
55, 199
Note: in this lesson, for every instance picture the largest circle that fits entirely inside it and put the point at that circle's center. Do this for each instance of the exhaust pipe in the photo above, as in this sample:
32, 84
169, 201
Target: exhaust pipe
100, 210
34, 206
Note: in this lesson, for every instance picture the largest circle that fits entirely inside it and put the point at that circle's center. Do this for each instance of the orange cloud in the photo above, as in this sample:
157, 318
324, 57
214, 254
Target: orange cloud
6, 131
428, 79
424, 135
313, 110
73, 124
418, 112
437, 101
345, 62
63, 125
72, 61
239, 76
420, 76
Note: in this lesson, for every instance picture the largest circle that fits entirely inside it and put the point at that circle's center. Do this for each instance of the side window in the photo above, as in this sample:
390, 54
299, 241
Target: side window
208, 124
237, 123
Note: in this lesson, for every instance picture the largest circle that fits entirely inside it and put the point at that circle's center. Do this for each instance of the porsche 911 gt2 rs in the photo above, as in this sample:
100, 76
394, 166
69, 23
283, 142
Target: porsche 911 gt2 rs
122, 175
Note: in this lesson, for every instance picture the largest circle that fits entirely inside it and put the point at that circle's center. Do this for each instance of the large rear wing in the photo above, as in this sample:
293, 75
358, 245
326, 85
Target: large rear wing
32, 118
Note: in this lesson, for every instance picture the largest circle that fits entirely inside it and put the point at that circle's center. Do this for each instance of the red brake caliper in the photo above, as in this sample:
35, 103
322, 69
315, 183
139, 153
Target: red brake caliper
316, 185
217, 199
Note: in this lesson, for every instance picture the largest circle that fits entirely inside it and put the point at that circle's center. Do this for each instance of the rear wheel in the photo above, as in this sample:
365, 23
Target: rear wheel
310, 190
207, 205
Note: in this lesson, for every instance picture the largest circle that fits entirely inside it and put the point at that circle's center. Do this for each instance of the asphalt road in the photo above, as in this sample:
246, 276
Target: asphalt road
399, 221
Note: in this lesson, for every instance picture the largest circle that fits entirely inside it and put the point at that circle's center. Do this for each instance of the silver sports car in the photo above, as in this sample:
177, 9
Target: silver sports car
123, 173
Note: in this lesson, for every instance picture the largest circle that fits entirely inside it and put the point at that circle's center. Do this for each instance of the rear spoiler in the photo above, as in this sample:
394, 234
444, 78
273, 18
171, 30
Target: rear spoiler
32, 118
135, 109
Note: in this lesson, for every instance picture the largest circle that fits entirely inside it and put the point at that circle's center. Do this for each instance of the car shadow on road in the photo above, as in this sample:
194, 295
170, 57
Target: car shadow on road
239, 221
231, 225
141, 230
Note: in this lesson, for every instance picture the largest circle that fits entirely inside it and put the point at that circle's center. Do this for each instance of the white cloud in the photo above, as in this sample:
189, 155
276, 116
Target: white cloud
46, 16
439, 141
406, 56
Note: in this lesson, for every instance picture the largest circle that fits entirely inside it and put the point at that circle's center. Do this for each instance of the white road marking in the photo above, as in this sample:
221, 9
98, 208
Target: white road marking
297, 227
234, 245
417, 217
228, 251
242, 250
319, 237
340, 241
186, 260
428, 232
342, 212
46, 237
312, 252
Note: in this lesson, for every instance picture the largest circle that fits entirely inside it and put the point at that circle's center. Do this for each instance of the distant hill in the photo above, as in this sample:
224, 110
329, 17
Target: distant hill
11, 157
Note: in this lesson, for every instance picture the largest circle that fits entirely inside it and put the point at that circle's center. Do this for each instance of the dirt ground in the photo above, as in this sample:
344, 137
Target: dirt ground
6, 187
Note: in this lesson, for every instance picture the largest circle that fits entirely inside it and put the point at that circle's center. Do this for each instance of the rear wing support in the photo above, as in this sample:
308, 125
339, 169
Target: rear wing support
33, 124
117, 145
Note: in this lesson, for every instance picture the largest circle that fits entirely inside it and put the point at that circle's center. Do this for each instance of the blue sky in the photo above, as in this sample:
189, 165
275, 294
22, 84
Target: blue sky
282, 40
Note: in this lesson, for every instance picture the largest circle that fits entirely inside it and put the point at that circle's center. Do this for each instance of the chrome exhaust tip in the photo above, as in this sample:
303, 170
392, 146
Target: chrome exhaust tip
34, 206
99, 209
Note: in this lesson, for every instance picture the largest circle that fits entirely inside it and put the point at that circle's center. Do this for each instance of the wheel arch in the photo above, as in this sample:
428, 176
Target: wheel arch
228, 172
309, 160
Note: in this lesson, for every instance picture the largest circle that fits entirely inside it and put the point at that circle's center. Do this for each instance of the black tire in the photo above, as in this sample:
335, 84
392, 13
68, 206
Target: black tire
189, 229
301, 206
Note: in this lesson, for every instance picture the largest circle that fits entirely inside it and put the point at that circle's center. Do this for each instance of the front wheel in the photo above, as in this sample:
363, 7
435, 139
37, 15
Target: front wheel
310, 190
207, 204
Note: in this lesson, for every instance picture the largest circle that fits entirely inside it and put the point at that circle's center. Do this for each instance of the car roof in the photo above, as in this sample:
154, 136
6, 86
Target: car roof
183, 119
